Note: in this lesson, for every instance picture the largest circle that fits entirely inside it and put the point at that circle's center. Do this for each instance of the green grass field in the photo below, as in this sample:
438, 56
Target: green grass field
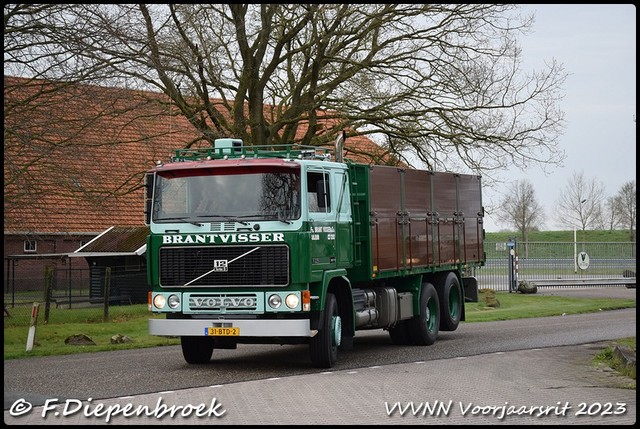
589, 236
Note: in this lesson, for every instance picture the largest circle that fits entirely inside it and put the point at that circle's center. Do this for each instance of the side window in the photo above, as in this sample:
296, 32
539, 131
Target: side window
318, 192
30, 246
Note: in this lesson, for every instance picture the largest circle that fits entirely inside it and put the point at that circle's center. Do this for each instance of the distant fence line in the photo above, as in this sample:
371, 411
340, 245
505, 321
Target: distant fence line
82, 288
547, 260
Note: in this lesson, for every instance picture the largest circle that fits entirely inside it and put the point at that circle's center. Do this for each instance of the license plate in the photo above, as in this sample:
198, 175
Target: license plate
222, 332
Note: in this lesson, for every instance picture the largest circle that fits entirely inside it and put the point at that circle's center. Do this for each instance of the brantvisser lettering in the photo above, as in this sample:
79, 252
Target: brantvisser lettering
254, 237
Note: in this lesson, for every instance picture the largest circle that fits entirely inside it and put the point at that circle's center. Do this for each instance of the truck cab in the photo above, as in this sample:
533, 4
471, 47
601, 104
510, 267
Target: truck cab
241, 241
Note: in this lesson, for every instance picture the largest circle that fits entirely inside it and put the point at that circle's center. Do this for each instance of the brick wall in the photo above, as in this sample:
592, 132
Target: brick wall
26, 270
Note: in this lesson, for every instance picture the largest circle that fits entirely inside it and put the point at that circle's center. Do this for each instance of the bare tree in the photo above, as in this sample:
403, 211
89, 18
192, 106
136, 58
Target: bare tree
431, 82
611, 215
521, 209
580, 203
625, 201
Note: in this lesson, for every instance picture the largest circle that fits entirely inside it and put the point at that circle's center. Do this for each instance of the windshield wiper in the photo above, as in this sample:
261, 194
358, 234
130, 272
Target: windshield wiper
184, 219
229, 218
277, 217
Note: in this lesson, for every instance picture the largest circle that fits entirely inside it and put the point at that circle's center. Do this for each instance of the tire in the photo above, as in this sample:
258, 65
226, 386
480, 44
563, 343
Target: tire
451, 301
196, 350
423, 328
400, 334
323, 347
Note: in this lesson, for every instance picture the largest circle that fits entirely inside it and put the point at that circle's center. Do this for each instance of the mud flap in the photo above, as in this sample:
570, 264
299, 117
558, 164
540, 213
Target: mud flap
470, 285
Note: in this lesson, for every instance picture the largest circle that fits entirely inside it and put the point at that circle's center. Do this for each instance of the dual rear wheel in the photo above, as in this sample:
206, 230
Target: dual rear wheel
451, 299
440, 310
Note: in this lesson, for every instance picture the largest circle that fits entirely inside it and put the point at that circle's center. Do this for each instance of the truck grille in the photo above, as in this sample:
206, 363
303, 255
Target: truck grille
221, 266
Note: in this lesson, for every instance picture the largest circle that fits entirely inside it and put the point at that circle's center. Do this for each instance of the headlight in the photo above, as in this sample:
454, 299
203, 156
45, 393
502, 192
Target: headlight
159, 301
173, 301
275, 301
292, 300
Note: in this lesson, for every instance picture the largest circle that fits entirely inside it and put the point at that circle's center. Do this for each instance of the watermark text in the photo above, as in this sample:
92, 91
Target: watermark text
89, 409
500, 412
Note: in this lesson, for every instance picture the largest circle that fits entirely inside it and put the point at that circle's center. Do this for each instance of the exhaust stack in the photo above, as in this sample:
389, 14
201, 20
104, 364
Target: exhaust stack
340, 145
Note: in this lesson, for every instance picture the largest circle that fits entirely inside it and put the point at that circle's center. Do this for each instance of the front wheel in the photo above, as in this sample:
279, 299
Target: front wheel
196, 349
324, 346
424, 327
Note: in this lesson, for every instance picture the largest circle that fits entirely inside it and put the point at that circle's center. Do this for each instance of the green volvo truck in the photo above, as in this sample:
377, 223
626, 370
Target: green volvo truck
296, 245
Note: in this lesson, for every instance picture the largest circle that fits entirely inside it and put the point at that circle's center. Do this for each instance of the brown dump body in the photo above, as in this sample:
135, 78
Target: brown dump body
421, 219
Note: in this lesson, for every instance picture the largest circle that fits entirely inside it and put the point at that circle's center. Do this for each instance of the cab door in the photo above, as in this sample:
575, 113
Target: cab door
321, 209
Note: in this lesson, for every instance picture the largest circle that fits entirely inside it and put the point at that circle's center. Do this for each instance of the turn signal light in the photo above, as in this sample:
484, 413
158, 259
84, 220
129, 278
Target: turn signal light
306, 300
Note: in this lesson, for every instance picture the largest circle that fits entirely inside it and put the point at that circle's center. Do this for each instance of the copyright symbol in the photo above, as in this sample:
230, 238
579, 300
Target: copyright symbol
20, 407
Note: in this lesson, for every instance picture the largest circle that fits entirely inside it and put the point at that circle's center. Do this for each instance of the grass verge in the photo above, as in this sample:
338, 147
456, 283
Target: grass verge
610, 359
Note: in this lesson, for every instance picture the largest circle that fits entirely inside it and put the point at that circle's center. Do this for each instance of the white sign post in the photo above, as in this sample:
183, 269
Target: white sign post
583, 260
31, 338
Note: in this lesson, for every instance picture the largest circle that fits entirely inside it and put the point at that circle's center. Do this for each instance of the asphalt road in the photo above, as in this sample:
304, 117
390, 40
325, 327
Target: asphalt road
105, 375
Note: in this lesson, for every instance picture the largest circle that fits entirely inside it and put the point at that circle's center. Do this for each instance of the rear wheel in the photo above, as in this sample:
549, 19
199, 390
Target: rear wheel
451, 299
424, 327
196, 349
324, 346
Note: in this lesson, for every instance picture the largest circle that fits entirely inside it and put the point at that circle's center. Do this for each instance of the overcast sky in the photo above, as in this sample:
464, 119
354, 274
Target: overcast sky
597, 46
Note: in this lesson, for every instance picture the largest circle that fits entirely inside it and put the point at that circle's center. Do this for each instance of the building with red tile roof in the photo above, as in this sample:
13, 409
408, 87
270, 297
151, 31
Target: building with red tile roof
74, 163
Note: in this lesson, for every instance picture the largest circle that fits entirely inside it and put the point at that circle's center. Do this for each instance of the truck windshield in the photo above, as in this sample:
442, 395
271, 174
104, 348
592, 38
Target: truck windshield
185, 197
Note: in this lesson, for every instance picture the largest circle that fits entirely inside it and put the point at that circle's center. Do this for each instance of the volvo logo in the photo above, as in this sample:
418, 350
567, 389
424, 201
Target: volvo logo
230, 302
